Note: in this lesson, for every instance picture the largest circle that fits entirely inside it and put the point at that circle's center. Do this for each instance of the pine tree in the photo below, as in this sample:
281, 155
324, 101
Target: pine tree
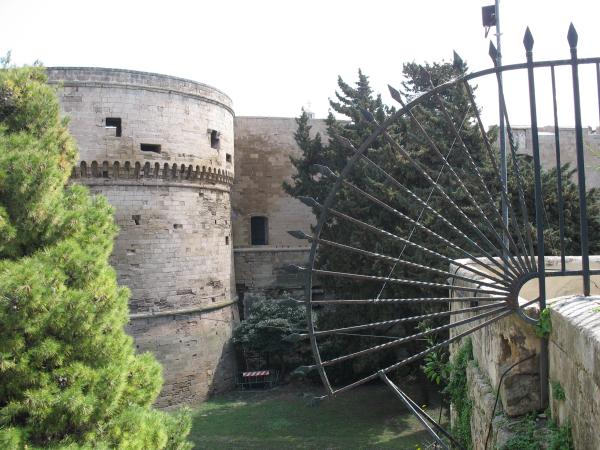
69, 376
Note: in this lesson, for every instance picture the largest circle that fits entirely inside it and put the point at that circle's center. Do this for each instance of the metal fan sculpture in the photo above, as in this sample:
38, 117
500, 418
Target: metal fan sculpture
484, 232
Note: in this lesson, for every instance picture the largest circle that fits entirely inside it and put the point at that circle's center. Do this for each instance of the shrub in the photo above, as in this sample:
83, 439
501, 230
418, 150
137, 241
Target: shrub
272, 328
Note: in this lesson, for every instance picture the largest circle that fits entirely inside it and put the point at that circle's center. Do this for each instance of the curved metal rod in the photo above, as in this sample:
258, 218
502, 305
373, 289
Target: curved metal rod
358, 276
384, 323
394, 260
525, 263
512, 215
385, 301
504, 248
423, 353
437, 214
331, 197
389, 235
412, 337
410, 220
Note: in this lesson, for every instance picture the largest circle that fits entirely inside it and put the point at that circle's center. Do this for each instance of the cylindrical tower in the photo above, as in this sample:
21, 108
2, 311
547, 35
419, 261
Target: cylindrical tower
161, 150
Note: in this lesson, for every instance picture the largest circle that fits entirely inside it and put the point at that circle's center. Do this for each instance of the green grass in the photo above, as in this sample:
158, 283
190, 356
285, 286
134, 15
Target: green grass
288, 418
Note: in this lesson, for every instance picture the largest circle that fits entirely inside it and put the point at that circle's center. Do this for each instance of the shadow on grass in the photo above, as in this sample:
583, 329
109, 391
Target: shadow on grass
289, 418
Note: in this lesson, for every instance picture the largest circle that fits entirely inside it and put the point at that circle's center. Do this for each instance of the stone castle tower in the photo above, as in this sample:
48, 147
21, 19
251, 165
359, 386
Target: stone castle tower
161, 150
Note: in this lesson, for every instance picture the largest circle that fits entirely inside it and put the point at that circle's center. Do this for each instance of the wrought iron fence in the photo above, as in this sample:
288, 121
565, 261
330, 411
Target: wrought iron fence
461, 211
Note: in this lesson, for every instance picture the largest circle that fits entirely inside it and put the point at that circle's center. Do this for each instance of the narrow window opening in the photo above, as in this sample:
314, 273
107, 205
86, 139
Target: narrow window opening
227, 157
136, 218
177, 226
226, 240
259, 230
114, 122
155, 148
215, 139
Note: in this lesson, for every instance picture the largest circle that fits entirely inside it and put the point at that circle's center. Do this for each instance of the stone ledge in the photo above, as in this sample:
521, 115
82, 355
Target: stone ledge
175, 312
576, 330
270, 249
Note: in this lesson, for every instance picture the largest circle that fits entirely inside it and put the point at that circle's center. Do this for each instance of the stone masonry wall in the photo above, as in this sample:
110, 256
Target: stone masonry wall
574, 351
261, 270
263, 148
574, 362
499, 345
173, 209
591, 145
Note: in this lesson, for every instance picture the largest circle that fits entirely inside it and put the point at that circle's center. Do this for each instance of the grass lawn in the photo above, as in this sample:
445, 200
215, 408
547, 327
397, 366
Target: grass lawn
288, 418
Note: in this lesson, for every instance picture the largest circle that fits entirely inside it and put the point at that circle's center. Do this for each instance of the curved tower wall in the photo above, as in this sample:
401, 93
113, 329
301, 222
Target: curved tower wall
168, 176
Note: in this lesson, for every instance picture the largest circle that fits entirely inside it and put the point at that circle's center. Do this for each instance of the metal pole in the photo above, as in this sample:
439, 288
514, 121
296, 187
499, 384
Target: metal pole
502, 131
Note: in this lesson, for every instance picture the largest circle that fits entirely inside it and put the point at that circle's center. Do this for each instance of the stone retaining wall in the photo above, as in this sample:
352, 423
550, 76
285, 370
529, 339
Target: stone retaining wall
574, 354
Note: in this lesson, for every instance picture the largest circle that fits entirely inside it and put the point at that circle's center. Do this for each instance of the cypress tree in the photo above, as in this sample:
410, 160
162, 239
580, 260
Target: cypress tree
348, 102
69, 376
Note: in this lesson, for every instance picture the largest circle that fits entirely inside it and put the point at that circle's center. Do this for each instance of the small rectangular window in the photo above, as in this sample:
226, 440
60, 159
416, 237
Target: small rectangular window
215, 139
259, 230
155, 148
114, 122
227, 157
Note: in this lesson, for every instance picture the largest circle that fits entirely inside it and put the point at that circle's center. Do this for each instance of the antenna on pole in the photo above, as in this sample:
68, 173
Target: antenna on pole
490, 17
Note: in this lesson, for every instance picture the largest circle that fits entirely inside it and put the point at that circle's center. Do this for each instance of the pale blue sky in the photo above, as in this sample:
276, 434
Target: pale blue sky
273, 57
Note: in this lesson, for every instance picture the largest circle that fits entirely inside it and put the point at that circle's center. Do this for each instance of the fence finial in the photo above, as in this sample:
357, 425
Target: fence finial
572, 36
493, 52
528, 40
457, 60
395, 94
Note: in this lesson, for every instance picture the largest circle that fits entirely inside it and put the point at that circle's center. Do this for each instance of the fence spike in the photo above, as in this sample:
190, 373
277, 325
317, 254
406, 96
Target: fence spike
309, 201
493, 52
395, 94
528, 40
457, 61
325, 171
572, 36
299, 234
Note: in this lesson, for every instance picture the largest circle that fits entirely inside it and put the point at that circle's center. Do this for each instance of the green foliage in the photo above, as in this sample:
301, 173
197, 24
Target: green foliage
436, 366
349, 101
560, 437
530, 434
544, 326
69, 377
457, 391
289, 419
271, 328
526, 435
558, 392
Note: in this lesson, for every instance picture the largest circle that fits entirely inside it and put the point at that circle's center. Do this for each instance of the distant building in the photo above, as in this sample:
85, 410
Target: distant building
547, 142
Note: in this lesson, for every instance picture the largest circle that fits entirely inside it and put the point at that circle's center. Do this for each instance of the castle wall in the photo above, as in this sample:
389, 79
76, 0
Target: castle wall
173, 208
591, 146
264, 146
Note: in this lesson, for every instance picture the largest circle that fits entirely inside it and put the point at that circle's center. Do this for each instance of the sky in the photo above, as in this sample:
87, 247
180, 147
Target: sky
275, 57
